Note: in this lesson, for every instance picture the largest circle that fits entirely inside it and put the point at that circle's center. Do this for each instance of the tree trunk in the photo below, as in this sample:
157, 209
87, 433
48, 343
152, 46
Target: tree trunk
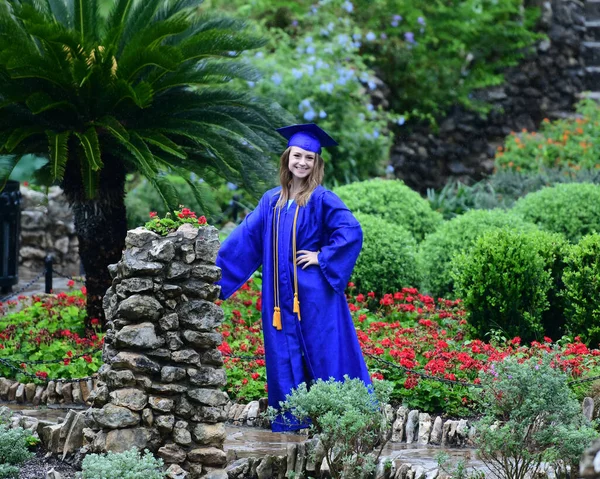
101, 227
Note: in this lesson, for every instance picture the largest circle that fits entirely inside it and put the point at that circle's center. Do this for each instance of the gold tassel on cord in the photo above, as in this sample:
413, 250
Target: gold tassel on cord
297, 306
277, 319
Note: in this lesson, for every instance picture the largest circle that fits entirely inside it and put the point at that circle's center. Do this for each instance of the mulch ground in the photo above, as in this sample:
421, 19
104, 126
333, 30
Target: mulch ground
37, 467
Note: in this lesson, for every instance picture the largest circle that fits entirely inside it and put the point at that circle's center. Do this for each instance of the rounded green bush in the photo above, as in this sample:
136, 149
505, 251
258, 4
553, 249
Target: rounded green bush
392, 201
387, 261
506, 281
582, 289
572, 209
453, 237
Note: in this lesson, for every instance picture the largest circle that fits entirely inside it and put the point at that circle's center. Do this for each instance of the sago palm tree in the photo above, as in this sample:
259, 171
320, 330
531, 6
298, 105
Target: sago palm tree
144, 89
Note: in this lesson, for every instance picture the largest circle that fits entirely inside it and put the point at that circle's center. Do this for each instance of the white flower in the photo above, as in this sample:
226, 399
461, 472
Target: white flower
371, 36
322, 114
309, 115
401, 121
304, 104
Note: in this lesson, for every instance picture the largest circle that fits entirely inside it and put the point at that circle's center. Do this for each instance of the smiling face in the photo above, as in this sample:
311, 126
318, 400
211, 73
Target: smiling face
301, 162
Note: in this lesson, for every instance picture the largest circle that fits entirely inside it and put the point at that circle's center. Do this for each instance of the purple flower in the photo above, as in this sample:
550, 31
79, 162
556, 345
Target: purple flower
421, 21
409, 37
371, 36
396, 19
383, 36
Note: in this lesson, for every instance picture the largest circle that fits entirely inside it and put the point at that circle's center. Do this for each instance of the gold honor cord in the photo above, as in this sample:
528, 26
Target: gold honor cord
277, 309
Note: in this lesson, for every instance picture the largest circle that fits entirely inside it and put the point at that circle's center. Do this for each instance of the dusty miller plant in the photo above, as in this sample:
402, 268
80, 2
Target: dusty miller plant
532, 419
349, 419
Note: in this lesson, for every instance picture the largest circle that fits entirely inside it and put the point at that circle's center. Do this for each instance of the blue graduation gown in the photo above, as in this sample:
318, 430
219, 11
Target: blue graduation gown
323, 344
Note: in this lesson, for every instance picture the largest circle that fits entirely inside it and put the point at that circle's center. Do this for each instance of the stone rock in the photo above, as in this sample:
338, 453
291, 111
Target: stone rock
424, 428
168, 388
209, 434
165, 424
20, 393
161, 404
121, 440
206, 376
140, 307
178, 270
300, 459
53, 474
29, 392
67, 393
169, 374
140, 237
209, 397
207, 244
589, 466
135, 362
462, 431
142, 336
147, 417
588, 408
130, 286
74, 439
113, 417
200, 315
37, 398
86, 388
160, 353
172, 453
201, 290
412, 426
5, 385
186, 356
181, 435
210, 456
132, 267
265, 468
176, 472
202, 340
252, 413
172, 290
210, 274
118, 379
436, 431
173, 341
162, 250
99, 396
399, 424
169, 322
130, 398
212, 357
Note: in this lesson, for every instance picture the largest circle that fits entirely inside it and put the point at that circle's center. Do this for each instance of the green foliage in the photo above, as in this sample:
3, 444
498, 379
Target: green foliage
582, 289
125, 465
393, 201
530, 416
315, 71
349, 419
13, 450
455, 236
502, 189
171, 222
49, 329
143, 89
506, 281
387, 261
568, 144
571, 209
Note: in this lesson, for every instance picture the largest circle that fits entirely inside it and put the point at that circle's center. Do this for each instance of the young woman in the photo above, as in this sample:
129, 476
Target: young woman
307, 242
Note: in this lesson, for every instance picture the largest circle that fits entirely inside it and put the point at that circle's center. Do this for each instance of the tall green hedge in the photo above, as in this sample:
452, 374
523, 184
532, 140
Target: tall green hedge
394, 202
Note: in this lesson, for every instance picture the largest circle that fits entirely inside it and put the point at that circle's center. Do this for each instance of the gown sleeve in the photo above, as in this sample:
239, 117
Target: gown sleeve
343, 242
241, 253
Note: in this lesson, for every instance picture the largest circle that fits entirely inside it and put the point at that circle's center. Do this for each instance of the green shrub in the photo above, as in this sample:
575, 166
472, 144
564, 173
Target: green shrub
125, 465
13, 450
568, 144
530, 416
349, 418
571, 209
582, 289
393, 201
387, 261
454, 236
506, 280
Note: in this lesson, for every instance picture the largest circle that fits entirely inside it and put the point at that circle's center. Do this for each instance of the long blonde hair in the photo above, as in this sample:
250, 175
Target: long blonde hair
308, 185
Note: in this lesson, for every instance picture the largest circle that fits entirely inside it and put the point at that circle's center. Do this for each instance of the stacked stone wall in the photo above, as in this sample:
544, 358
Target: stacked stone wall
47, 228
545, 85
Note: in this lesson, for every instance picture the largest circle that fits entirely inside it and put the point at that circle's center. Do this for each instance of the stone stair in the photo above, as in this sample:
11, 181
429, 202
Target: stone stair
591, 49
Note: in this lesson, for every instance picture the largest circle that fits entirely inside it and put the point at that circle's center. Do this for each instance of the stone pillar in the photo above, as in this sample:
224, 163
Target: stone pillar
162, 377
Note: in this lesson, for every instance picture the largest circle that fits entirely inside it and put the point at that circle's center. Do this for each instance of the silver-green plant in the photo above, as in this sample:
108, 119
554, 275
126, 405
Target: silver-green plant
532, 419
349, 419
13, 450
124, 465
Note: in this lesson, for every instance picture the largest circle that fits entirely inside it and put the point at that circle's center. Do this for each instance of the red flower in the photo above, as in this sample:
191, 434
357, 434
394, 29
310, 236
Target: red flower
87, 358
181, 215
70, 283
70, 354
41, 374
360, 298
153, 214
362, 318
67, 361
255, 376
411, 382
259, 304
202, 220
244, 381
84, 290
377, 376
371, 294
516, 341
94, 321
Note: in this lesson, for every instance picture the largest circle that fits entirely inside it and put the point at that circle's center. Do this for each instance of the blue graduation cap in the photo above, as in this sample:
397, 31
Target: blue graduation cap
308, 136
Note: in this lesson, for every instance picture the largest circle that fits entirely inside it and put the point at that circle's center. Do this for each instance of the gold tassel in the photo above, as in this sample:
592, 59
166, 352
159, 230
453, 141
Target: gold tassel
277, 319
297, 306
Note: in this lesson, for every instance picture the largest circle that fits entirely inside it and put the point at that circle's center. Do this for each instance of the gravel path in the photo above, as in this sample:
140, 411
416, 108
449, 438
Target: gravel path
37, 467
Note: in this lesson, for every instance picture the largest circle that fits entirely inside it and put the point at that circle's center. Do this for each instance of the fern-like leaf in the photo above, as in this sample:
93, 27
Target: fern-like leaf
59, 153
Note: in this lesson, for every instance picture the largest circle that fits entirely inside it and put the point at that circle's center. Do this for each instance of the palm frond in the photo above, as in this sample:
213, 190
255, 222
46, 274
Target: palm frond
58, 9
7, 165
166, 190
164, 143
58, 149
86, 15
91, 148
203, 195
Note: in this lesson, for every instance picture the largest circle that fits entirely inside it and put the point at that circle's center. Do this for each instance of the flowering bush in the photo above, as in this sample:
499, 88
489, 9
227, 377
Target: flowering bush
387, 260
404, 328
48, 328
572, 209
171, 222
564, 144
393, 201
453, 237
